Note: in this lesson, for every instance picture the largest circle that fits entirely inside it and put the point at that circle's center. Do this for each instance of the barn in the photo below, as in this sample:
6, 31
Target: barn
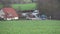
8, 14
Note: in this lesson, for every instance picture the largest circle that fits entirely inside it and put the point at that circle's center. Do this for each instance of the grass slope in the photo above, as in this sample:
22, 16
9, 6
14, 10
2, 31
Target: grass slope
1, 6
30, 27
30, 6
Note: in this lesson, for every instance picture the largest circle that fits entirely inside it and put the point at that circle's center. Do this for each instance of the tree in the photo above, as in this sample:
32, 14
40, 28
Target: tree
50, 7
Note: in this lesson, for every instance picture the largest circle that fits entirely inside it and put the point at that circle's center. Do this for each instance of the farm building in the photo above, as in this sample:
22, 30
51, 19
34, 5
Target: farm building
8, 14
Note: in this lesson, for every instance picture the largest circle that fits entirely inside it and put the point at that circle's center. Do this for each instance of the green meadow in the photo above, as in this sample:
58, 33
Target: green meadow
31, 6
30, 27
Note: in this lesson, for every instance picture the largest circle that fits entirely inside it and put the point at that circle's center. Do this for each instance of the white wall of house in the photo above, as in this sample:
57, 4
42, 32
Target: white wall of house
2, 14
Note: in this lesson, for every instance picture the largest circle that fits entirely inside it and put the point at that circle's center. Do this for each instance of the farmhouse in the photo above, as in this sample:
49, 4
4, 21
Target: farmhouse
8, 14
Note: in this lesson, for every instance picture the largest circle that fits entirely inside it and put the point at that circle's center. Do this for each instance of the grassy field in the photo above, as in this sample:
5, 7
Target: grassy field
31, 6
30, 27
1, 6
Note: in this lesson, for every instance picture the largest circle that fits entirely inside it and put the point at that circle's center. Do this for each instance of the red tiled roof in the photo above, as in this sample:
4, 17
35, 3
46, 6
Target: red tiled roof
10, 12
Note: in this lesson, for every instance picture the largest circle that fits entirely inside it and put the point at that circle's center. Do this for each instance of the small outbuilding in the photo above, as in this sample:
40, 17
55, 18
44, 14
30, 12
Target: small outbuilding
8, 14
